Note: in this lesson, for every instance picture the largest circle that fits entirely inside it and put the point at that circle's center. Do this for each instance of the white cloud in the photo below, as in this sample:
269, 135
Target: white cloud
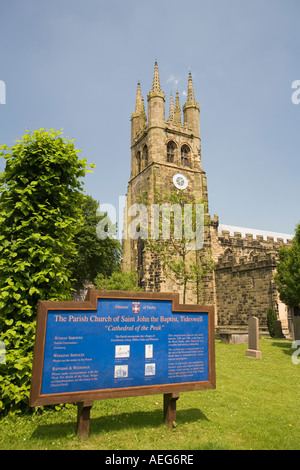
172, 79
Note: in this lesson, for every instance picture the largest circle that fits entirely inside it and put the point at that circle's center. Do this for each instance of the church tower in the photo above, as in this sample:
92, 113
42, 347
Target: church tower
165, 154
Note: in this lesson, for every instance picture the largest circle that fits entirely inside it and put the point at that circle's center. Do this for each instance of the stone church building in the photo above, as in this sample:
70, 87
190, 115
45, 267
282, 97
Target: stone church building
164, 147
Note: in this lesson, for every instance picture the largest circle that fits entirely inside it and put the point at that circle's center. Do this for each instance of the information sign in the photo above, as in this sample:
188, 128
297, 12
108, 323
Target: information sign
119, 344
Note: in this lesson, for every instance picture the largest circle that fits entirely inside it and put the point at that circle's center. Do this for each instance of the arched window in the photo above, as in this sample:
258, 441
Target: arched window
185, 154
138, 162
145, 155
227, 253
171, 151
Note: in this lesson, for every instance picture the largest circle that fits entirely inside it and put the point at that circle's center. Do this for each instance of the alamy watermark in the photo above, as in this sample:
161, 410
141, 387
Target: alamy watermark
296, 94
153, 222
295, 358
2, 92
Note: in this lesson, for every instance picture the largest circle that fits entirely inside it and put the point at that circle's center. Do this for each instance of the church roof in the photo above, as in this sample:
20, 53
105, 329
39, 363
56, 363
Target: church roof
231, 229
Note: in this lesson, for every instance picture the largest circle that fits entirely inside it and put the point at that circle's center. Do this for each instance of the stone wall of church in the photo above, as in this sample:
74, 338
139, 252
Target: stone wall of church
245, 288
244, 276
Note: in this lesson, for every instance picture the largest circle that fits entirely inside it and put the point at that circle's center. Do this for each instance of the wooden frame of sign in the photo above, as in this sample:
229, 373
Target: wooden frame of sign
59, 314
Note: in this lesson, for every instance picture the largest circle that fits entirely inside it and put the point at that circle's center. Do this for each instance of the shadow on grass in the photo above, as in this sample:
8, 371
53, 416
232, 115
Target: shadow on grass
116, 422
285, 346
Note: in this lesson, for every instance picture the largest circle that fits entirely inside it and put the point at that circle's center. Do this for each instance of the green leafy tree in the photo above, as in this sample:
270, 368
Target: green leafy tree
94, 255
287, 277
40, 213
119, 280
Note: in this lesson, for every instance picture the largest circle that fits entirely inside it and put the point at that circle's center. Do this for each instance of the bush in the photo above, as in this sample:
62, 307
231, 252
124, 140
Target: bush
40, 212
271, 321
118, 281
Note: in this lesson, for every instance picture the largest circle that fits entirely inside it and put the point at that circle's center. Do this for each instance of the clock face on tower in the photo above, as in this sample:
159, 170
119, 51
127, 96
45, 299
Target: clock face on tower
180, 181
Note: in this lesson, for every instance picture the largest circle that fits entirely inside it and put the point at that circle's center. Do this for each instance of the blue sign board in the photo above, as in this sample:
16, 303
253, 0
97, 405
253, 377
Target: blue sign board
122, 343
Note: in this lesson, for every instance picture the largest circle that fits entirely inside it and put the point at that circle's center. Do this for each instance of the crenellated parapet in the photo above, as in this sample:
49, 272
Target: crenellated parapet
254, 239
244, 245
257, 261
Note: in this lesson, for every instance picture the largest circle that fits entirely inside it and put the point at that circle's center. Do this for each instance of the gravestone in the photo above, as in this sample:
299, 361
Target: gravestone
297, 327
253, 341
278, 329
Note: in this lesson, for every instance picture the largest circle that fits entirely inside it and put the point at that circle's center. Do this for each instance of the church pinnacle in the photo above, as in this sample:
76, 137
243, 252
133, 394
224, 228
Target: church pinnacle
156, 83
156, 101
139, 117
177, 112
191, 109
138, 102
190, 95
171, 109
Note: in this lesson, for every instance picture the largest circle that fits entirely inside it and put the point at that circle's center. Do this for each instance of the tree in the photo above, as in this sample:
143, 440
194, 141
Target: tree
175, 242
119, 280
271, 321
94, 256
287, 277
40, 213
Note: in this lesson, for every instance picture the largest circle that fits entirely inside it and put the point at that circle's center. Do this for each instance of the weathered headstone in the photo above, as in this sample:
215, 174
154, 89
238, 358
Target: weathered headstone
253, 341
278, 329
297, 327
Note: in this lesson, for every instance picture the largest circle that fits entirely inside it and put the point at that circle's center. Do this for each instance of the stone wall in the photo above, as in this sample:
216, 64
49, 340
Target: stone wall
245, 288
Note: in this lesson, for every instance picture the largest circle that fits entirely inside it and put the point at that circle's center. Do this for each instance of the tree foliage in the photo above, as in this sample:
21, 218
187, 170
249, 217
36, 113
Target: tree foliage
40, 213
93, 255
119, 280
271, 321
287, 277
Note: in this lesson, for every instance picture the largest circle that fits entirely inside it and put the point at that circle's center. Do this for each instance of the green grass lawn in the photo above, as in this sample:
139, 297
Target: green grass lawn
255, 406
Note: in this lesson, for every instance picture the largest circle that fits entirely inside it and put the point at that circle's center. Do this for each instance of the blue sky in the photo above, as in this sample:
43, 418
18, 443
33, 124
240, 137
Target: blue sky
74, 65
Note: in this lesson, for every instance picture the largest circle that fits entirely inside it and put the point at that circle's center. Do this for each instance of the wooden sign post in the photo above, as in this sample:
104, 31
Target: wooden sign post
83, 418
121, 344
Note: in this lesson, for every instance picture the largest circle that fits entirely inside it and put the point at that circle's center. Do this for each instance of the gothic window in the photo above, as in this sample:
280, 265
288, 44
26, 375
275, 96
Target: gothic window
171, 152
138, 162
185, 151
145, 155
227, 253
